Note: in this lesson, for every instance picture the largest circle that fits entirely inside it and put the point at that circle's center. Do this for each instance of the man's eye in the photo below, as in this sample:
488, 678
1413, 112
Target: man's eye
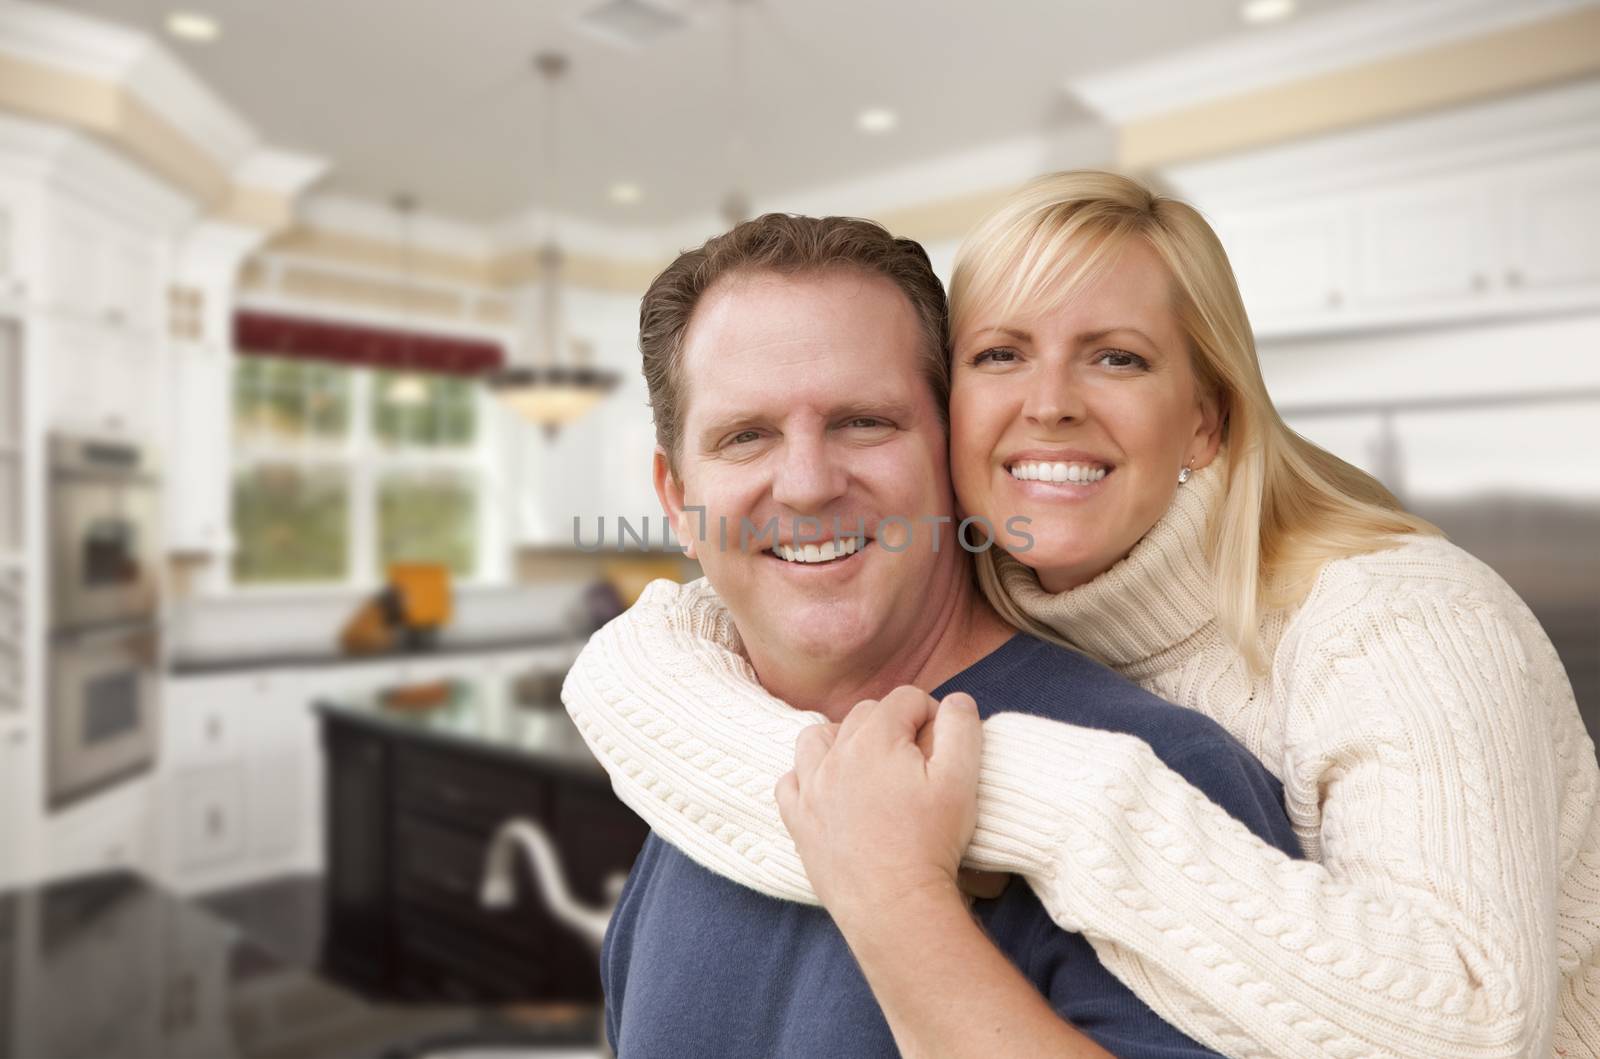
995, 356
865, 422
744, 437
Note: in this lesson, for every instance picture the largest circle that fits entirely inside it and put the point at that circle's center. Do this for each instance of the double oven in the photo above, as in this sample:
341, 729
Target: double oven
104, 615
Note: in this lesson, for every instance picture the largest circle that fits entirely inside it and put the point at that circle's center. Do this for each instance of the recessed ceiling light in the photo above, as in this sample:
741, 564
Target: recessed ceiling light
625, 194
877, 119
191, 25
1259, 12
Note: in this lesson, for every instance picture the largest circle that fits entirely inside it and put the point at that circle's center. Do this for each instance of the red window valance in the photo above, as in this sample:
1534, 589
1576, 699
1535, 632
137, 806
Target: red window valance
275, 335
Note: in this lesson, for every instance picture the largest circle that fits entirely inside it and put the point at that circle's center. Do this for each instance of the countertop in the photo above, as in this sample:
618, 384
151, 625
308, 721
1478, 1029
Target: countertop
114, 967
482, 716
197, 665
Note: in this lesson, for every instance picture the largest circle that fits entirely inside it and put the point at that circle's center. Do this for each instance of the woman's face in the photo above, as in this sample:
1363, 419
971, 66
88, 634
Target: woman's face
1080, 418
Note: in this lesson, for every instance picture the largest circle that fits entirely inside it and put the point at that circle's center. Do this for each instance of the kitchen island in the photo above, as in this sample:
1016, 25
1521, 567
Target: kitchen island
412, 798
112, 966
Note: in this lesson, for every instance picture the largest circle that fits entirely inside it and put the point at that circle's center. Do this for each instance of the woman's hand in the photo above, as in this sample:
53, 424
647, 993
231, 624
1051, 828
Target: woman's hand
873, 817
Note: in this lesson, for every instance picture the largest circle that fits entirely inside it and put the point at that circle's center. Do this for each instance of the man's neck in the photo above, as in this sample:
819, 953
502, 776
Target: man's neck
961, 630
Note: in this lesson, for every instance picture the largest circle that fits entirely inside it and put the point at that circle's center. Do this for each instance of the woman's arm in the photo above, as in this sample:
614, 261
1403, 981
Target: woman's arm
1428, 929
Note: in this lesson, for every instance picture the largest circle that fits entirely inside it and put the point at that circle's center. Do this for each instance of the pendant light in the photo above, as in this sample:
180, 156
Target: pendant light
406, 389
551, 392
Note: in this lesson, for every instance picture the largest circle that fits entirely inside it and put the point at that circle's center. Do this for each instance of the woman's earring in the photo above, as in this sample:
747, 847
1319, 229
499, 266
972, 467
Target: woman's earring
1183, 474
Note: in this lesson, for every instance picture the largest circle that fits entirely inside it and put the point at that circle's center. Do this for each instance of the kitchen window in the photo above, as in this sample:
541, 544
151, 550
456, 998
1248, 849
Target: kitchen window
339, 471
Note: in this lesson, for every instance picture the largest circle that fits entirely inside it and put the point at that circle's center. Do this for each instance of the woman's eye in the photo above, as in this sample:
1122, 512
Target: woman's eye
1121, 358
995, 356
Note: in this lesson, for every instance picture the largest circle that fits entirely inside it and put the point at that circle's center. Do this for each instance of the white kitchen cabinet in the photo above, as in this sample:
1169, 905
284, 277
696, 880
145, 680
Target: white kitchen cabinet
102, 381
18, 213
101, 269
1290, 263
197, 431
237, 754
210, 817
1431, 242
16, 749
1553, 224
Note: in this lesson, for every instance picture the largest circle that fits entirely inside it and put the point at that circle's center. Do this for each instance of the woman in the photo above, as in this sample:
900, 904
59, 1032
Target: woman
1434, 764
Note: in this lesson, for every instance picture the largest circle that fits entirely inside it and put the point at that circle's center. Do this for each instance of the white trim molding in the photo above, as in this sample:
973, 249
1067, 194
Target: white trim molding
1292, 51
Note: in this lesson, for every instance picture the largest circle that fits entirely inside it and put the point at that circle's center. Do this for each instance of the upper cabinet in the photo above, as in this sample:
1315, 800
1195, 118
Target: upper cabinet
1552, 216
1495, 242
1469, 214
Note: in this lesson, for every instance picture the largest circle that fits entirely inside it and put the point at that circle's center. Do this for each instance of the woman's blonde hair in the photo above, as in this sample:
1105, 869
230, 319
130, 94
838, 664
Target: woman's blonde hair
1289, 506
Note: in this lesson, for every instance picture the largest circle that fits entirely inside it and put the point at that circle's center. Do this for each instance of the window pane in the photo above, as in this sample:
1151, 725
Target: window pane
423, 410
283, 399
292, 524
429, 518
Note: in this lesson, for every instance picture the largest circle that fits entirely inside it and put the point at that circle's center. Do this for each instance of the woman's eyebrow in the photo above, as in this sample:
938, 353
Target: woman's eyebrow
1095, 336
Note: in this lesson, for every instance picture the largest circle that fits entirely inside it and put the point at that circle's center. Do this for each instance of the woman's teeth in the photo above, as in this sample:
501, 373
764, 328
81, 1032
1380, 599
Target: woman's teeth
1058, 472
827, 551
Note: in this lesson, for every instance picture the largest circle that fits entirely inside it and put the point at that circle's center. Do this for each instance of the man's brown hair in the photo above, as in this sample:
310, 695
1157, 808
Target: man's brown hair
788, 245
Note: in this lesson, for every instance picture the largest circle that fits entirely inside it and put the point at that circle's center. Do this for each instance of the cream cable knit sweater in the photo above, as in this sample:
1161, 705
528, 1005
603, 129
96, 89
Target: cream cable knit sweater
1433, 761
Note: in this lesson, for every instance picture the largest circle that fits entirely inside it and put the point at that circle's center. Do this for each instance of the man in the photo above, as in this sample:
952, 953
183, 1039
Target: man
798, 372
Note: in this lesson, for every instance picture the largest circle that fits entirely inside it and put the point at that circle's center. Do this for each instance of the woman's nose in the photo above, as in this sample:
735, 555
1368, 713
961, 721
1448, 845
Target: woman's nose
1053, 399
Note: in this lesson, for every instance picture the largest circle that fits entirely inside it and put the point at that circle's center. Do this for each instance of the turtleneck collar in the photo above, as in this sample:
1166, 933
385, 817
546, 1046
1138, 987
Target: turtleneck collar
1159, 595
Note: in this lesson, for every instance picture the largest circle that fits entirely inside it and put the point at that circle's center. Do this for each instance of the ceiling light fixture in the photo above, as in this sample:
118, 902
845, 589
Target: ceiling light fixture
877, 120
550, 392
1260, 12
625, 194
193, 26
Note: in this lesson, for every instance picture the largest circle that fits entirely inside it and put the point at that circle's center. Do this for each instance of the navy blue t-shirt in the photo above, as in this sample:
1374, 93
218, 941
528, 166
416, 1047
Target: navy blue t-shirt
696, 965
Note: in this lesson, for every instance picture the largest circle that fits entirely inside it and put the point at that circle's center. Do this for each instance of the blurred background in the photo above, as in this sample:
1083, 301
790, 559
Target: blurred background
320, 406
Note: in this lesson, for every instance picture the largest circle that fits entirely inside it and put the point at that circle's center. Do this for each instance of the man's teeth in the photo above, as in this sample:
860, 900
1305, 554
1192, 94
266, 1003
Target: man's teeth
827, 551
1033, 471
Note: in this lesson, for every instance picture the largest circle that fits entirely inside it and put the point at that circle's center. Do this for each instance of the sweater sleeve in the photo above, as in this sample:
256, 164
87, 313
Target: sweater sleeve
1427, 929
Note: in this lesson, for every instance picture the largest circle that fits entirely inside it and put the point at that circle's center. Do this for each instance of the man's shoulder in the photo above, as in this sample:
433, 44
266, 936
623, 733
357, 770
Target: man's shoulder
1030, 675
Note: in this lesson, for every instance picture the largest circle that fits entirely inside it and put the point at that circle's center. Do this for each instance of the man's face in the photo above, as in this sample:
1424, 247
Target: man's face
805, 404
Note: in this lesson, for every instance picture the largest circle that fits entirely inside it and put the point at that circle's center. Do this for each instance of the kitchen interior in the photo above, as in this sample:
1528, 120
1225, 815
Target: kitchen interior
323, 444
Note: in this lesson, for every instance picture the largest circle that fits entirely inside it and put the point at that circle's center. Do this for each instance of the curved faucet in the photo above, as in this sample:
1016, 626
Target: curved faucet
499, 882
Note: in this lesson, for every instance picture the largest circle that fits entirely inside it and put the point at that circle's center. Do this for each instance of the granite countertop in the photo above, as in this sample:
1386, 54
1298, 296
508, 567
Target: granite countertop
114, 967
479, 715
197, 665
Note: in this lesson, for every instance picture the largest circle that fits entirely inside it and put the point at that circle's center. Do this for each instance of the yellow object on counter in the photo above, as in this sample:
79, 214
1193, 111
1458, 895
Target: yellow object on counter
424, 589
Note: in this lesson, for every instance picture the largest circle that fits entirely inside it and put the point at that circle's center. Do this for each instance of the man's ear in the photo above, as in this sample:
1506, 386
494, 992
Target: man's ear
686, 524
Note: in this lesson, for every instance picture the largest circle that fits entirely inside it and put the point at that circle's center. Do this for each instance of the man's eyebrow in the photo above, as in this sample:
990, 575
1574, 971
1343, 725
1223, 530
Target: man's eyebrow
731, 422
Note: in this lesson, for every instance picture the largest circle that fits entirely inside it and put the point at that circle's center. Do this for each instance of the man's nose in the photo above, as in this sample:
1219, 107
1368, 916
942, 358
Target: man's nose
808, 476
1056, 398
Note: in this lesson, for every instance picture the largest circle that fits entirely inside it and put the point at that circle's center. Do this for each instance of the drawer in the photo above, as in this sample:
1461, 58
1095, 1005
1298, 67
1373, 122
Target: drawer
465, 790
443, 868
210, 817
441, 964
210, 730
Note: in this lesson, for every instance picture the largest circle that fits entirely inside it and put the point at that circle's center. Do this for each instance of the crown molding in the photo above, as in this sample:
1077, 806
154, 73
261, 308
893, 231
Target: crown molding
285, 173
132, 61
1292, 51
60, 158
1482, 134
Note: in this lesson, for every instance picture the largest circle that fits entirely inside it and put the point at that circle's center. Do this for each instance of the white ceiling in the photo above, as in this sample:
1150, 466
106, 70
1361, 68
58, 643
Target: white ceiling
438, 98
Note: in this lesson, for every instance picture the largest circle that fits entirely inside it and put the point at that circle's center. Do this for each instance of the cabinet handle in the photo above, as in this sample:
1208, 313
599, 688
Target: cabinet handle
1480, 283
1335, 299
213, 729
213, 821
1514, 277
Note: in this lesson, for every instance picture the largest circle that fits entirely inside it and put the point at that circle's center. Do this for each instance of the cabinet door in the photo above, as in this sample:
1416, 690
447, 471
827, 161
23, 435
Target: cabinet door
358, 943
75, 247
1289, 263
197, 450
18, 217
1426, 243
1555, 225
211, 823
15, 744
